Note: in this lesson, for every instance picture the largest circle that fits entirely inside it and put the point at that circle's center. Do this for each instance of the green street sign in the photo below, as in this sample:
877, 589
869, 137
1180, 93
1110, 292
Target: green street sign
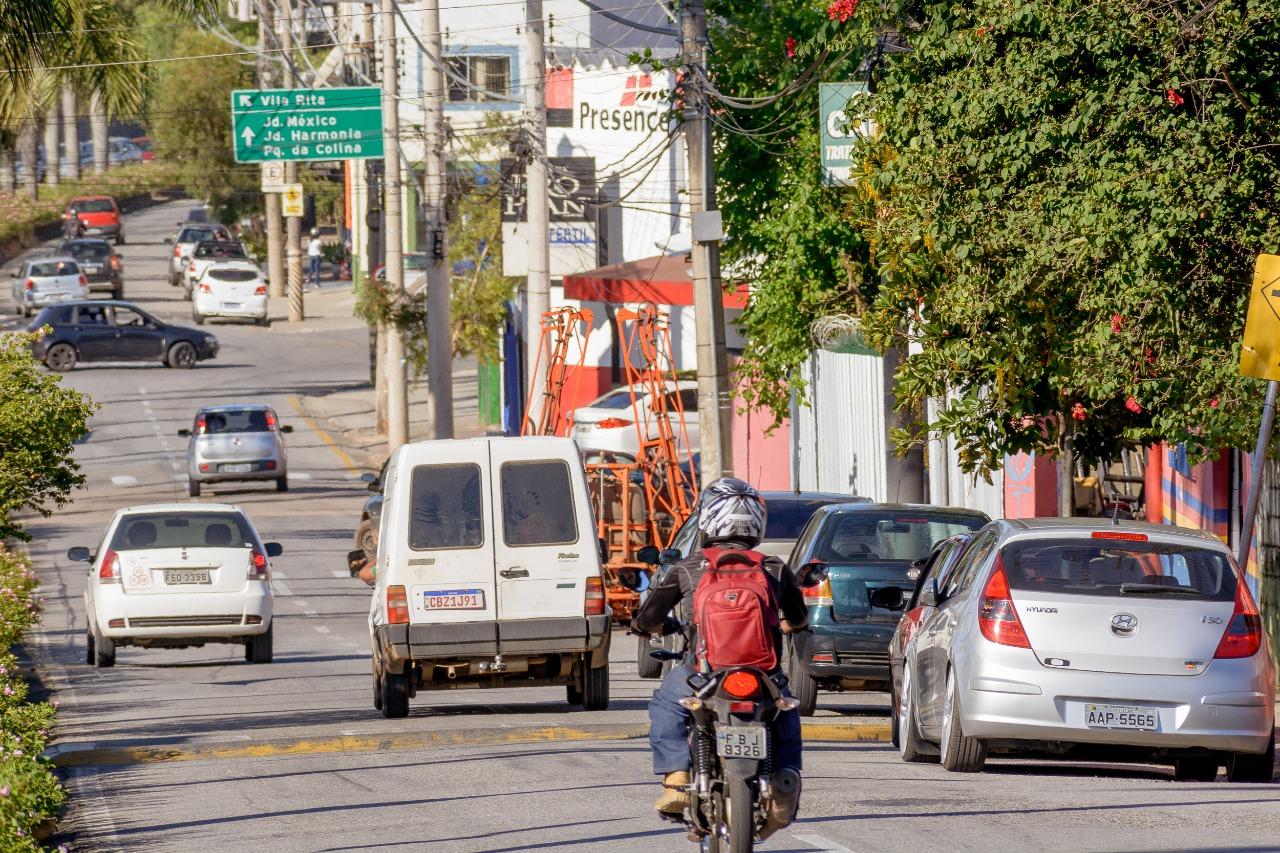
840, 133
271, 125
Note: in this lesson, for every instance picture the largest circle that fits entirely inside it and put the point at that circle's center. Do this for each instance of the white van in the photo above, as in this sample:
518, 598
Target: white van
488, 573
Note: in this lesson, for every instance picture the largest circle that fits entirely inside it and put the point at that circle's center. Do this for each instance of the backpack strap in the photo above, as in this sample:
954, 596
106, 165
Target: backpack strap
722, 558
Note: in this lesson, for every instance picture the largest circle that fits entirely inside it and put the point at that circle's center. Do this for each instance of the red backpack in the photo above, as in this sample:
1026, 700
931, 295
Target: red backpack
736, 611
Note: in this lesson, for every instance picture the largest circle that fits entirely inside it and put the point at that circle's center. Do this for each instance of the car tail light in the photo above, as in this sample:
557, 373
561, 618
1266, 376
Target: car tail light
259, 565
109, 571
84, 280
177, 251
202, 426
260, 290
204, 467
1118, 534
1243, 636
191, 267
819, 595
204, 288
30, 284
253, 620
271, 464
823, 657
613, 423
115, 623
740, 684
271, 421
594, 605
397, 605
996, 615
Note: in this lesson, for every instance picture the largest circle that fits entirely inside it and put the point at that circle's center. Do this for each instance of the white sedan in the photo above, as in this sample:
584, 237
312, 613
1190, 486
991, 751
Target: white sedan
231, 289
178, 575
609, 423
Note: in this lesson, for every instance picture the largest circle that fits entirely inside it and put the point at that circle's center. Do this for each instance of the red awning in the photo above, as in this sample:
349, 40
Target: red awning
662, 279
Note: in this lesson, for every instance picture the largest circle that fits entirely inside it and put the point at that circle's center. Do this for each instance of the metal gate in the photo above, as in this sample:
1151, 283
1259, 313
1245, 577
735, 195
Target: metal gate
1269, 552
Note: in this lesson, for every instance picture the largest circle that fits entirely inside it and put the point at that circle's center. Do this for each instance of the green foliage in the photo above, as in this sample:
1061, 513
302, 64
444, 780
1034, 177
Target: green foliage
40, 421
30, 794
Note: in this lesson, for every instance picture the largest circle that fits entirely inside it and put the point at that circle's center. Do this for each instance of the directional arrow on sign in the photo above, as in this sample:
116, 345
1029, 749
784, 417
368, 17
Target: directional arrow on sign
246, 100
247, 135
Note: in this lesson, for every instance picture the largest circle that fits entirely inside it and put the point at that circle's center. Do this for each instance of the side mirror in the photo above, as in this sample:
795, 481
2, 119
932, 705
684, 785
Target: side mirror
286, 428
356, 561
929, 595
369, 478
667, 556
168, 241
374, 486
79, 554
649, 554
812, 574
887, 598
274, 549
185, 433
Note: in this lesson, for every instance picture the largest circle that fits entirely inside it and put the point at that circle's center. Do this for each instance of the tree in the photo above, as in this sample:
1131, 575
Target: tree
40, 422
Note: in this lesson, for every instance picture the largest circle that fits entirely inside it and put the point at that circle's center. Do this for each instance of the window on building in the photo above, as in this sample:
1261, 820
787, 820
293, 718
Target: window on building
488, 78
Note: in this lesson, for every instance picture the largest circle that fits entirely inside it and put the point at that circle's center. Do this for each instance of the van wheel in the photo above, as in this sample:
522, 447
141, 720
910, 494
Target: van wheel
259, 648
1253, 768
88, 639
595, 693
648, 666
193, 488
395, 695
803, 686
104, 652
960, 753
282, 484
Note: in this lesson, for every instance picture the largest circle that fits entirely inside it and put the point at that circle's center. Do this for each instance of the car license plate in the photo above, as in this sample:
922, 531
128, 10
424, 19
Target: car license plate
742, 742
93, 230
239, 468
454, 599
1139, 717
231, 306
91, 269
173, 577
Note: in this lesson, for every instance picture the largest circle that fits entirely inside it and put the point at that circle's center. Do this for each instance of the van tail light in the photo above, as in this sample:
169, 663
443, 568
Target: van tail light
613, 423
819, 595
109, 571
84, 280
594, 605
259, 565
260, 290
1243, 636
996, 615
397, 605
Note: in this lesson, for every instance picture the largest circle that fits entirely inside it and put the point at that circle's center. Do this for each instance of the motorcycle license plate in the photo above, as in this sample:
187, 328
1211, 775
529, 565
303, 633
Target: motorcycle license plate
742, 742
454, 599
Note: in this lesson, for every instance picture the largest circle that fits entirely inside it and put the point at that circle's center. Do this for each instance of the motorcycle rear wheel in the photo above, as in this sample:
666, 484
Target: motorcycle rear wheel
742, 816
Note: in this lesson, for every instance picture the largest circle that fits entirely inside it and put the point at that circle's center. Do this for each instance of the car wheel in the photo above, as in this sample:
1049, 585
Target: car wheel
104, 652
60, 357
648, 666
1242, 767
803, 686
367, 538
395, 695
595, 694
960, 753
260, 647
198, 318
1196, 769
282, 484
910, 744
182, 355
193, 488
90, 655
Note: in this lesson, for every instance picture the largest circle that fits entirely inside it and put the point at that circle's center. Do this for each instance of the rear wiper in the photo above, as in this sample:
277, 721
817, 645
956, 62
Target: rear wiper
1156, 589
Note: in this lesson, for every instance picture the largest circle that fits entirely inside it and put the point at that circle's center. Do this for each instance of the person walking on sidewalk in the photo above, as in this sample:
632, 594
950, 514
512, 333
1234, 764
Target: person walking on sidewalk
314, 251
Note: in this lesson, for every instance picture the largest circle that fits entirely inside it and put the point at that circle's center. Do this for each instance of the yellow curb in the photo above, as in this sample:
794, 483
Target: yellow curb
324, 435
129, 755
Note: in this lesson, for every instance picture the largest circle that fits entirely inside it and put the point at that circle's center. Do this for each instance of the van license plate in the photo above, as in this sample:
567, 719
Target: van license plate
1139, 717
742, 742
185, 576
454, 599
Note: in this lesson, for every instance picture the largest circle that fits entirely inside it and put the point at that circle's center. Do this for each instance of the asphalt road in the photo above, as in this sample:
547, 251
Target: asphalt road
197, 750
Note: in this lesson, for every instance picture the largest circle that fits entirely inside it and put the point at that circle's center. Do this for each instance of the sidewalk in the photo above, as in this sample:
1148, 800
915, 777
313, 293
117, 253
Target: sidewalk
348, 415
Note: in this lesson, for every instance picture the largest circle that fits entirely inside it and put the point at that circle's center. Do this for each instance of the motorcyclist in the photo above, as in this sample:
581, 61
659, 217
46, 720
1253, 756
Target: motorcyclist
73, 227
731, 516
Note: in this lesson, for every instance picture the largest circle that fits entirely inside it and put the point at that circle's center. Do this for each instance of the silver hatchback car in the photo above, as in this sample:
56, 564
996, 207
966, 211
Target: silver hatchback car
236, 442
1080, 638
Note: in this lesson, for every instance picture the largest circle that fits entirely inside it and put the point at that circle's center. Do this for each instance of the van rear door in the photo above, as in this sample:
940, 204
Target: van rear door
544, 541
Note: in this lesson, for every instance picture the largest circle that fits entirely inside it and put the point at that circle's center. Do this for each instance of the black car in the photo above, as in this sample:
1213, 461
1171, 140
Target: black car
872, 551
115, 331
99, 262
371, 514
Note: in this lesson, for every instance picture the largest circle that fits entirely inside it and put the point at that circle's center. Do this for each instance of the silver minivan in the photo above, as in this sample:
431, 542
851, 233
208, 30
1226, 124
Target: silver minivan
236, 442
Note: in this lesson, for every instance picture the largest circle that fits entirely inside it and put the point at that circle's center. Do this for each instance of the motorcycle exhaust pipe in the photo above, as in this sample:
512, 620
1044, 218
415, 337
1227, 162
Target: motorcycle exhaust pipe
785, 787
451, 673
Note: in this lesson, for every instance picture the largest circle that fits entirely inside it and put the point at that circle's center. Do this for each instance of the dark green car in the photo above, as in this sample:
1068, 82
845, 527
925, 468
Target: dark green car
867, 547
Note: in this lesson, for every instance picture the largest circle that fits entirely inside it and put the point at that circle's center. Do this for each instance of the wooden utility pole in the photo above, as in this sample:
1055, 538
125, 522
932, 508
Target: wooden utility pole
271, 201
436, 198
393, 232
293, 224
537, 209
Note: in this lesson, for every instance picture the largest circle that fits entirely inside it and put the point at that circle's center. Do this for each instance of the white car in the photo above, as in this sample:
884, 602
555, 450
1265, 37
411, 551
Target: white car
208, 252
178, 575
45, 280
609, 423
232, 289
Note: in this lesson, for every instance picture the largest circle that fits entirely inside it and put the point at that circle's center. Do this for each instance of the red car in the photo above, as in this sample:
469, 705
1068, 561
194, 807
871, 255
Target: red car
99, 216
144, 145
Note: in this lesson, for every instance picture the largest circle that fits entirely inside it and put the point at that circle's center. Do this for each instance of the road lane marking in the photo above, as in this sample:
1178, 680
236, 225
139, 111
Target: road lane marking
337, 573
310, 613
324, 436
124, 480
822, 843
280, 575
322, 629
299, 475
280, 587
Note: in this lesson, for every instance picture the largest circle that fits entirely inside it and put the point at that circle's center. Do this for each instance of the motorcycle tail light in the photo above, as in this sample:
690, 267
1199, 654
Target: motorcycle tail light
740, 684
742, 707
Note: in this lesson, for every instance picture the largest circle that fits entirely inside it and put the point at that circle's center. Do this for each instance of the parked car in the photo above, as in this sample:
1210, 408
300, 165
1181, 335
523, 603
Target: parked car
120, 151
236, 442
207, 252
1088, 638
936, 566
175, 576
488, 573
231, 290
115, 331
870, 549
45, 280
99, 215
609, 422
184, 244
101, 264
144, 145
787, 513
371, 514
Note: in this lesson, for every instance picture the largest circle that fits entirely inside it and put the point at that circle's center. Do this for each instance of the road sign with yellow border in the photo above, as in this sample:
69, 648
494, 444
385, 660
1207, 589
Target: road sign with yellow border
1260, 352
291, 200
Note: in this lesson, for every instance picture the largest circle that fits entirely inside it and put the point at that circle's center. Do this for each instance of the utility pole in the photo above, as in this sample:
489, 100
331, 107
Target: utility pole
714, 403
293, 224
436, 197
538, 283
271, 201
376, 228
393, 232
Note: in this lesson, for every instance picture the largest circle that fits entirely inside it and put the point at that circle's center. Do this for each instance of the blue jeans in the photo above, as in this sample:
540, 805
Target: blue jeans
314, 272
669, 727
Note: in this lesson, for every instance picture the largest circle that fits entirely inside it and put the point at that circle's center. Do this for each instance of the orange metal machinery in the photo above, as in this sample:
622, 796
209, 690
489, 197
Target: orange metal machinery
558, 332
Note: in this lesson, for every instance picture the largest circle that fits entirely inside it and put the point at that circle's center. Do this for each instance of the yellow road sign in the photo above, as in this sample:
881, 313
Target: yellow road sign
1260, 352
291, 200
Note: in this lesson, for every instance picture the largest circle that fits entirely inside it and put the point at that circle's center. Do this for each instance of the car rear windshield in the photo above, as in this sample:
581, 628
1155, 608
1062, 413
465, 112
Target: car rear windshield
896, 536
219, 249
616, 400
239, 420
182, 530
231, 274
195, 235
537, 504
786, 518
54, 268
94, 205
1119, 568
445, 507
95, 250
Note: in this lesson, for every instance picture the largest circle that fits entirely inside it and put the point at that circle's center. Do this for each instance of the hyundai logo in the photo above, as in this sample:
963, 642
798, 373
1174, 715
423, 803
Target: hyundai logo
1124, 624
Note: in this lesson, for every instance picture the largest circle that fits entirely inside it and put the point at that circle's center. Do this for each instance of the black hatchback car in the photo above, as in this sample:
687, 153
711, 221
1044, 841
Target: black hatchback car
115, 331
99, 262
867, 547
